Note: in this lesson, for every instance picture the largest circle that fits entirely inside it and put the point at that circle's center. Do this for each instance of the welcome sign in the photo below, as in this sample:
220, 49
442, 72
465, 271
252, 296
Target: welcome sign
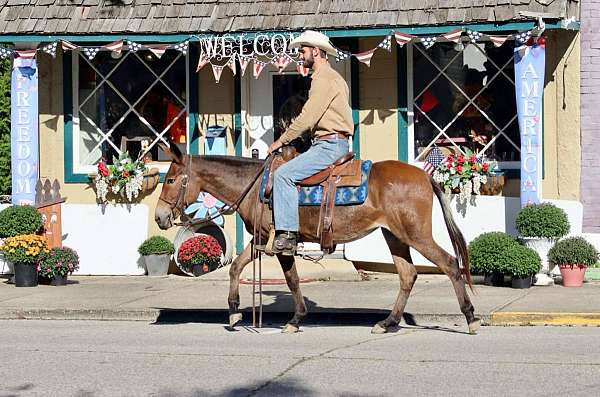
530, 62
24, 130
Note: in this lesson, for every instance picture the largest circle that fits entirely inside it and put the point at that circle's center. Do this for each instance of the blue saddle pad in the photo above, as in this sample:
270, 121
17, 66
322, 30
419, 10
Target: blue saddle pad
347, 195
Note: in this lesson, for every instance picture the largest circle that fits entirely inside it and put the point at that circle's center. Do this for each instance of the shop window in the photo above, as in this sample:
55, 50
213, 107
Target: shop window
464, 97
128, 103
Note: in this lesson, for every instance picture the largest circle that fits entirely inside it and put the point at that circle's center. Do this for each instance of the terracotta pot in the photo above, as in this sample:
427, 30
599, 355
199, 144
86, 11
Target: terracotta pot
572, 275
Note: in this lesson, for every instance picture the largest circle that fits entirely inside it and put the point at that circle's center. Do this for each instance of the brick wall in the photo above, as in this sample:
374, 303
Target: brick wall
590, 119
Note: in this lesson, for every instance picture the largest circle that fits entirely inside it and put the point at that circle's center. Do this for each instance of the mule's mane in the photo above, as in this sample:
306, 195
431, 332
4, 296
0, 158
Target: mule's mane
234, 161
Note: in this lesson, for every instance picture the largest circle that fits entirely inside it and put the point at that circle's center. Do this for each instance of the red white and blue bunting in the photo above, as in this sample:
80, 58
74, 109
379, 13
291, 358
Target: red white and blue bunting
281, 59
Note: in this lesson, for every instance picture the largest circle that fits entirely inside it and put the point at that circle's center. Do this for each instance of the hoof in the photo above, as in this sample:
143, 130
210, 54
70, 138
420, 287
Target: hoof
290, 329
378, 329
235, 319
474, 326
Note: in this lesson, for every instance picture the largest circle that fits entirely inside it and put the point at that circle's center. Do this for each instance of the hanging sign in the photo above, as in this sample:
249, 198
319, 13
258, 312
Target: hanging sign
530, 62
262, 45
24, 130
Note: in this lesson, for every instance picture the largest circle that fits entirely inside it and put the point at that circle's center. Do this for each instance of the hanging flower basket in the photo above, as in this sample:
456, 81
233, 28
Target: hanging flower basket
123, 179
150, 181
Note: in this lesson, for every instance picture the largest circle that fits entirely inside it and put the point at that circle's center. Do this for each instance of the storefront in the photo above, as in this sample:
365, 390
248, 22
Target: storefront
420, 78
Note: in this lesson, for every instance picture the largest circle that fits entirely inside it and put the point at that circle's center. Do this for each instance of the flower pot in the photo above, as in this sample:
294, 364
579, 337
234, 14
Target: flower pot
210, 229
495, 279
58, 281
521, 283
494, 184
26, 275
198, 270
572, 275
541, 246
157, 265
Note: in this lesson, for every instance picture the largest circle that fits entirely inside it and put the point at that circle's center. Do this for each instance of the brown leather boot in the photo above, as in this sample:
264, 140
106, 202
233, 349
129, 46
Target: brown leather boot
285, 243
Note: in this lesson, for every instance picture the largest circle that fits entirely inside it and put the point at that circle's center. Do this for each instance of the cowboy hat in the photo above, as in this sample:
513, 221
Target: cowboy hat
311, 38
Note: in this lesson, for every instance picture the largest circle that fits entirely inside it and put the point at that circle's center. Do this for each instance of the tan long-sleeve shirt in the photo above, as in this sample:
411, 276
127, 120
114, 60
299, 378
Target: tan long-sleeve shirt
327, 109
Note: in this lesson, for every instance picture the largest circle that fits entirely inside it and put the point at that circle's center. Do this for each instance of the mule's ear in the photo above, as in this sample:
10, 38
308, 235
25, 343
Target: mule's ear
172, 151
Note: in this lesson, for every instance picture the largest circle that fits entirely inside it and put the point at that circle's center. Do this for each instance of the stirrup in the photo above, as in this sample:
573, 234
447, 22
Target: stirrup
285, 244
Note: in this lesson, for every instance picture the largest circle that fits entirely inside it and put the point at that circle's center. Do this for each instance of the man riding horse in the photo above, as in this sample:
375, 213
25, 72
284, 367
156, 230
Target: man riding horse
328, 116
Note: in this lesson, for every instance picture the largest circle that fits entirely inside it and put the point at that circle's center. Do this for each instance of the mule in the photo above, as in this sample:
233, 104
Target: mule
399, 201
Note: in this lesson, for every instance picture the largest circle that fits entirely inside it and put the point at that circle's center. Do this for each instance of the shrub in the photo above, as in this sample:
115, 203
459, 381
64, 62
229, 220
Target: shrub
200, 250
19, 219
485, 252
156, 245
58, 262
521, 261
542, 220
573, 251
26, 248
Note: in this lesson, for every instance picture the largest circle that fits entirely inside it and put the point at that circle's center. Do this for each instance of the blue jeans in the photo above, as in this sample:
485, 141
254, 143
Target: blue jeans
321, 154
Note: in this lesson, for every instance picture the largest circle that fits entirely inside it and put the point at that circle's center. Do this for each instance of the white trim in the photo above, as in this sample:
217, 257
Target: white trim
410, 103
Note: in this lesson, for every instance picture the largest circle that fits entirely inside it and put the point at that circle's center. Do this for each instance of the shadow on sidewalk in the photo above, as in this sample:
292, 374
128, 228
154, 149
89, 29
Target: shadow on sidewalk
280, 312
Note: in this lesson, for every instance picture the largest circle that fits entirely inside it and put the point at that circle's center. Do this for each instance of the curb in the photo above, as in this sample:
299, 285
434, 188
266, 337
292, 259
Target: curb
539, 318
221, 316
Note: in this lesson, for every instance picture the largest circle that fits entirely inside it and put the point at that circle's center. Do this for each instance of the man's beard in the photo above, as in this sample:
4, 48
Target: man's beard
308, 62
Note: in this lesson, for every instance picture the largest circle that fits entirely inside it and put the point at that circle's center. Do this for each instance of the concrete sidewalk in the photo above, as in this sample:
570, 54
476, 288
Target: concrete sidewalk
333, 290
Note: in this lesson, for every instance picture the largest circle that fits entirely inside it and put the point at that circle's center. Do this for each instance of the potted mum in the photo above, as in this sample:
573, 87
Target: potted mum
17, 220
57, 264
522, 263
486, 256
573, 255
199, 254
157, 251
540, 226
465, 174
25, 252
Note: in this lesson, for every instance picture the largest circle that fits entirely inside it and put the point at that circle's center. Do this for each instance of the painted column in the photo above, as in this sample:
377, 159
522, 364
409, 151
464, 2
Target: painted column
24, 131
530, 63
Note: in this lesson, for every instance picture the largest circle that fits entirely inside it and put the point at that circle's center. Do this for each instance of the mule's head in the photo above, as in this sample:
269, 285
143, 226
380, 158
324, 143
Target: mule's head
177, 191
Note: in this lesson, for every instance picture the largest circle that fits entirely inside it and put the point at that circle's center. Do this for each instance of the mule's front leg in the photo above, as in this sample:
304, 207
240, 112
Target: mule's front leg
235, 317
291, 277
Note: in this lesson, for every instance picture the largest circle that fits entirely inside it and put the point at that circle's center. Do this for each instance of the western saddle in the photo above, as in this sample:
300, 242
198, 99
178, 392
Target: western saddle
346, 171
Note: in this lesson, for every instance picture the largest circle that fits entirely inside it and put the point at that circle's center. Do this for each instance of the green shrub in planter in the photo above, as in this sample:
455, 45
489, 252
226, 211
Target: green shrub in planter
542, 220
485, 252
156, 245
521, 261
573, 251
17, 220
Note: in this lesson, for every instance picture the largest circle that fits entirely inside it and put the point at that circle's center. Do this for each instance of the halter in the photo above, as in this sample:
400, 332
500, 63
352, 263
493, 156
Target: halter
181, 203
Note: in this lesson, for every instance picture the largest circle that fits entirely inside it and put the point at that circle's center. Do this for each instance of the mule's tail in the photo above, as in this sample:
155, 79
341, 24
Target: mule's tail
456, 236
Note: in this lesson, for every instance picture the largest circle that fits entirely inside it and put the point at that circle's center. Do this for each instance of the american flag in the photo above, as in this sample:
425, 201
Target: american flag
434, 158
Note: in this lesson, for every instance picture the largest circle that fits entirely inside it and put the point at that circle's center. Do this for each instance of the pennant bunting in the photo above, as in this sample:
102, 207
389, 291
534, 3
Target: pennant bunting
5, 52
182, 46
243, 63
523, 37
133, 46
365, 57
453, 35
258, 68
403, 38
231, 65
158, 49
26, 54
498, 40
341, 55
67, 45
50, 49
115, 46
301, 69
202, 62
281, 62
217, 70
91, 52
428, 42
386, 44
474, 36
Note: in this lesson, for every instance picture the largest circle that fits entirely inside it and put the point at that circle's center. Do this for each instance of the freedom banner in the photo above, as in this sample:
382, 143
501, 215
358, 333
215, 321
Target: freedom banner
530, 62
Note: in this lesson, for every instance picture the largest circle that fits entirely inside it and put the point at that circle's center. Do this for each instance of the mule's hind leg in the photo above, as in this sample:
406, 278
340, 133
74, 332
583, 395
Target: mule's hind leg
449, 265
288, 266
407, 274
234, 284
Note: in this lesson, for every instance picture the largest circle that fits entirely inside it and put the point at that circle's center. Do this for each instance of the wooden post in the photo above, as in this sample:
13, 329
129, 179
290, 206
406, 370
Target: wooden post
48, 202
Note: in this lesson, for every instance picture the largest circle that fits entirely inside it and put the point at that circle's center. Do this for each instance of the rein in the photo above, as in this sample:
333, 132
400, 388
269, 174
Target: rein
180, 203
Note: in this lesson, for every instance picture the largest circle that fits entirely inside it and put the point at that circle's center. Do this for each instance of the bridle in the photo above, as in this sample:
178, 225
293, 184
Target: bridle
181, 203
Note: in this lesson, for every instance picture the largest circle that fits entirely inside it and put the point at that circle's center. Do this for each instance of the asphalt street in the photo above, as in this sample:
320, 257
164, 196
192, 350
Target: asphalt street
105, 358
